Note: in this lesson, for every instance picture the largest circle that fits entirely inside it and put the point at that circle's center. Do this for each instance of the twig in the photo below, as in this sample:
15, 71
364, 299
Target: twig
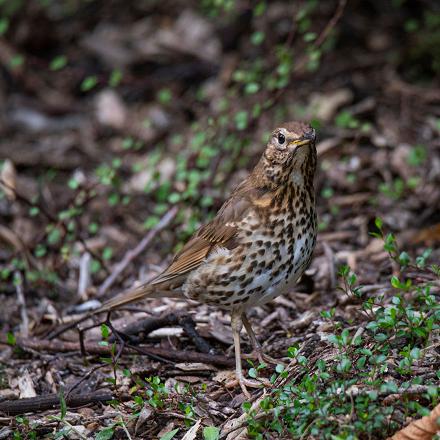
331, 24
330, 256
24, 327
148, 325
189, 326
84, 275
84, 378
133, 253
124, 427
51, 401
95, 349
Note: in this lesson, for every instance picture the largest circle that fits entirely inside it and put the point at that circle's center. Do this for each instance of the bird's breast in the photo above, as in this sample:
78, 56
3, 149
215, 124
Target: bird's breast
270, 255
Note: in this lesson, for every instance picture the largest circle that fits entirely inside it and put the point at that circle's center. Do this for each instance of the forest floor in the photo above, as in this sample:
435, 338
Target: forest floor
122, 130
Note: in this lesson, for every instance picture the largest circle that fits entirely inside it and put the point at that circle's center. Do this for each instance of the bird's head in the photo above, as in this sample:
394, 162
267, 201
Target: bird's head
290, 154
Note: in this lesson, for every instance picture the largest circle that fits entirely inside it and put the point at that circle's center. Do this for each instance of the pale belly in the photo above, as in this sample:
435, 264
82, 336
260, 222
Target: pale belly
255, 273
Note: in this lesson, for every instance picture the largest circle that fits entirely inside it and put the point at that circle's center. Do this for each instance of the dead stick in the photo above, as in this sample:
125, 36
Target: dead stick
148, 325
133, 253
95, 349
189, 326
24, 330
51, 401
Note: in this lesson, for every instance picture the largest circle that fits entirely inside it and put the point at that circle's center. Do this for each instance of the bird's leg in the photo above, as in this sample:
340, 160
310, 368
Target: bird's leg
261, 356
236, 325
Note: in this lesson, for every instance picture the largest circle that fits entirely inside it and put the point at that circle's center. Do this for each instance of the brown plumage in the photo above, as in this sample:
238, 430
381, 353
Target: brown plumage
257, 246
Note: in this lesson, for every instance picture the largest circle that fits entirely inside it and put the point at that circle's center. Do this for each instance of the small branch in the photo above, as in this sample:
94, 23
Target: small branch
133, 253
51, 401
24, 327
95, 349
84, 275
189, 326
332, 23
148, 325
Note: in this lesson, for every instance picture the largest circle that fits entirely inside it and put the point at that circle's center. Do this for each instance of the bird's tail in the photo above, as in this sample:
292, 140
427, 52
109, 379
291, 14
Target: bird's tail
136, 294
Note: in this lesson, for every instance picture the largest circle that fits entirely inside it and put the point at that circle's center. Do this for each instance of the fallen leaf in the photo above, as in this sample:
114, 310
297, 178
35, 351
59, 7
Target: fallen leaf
195, 366
26, 386
421, 429
429, 236
110, 109
324, 106
192, 432
145, 414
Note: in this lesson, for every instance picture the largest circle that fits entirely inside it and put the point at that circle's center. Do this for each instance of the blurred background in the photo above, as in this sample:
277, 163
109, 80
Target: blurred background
113, 113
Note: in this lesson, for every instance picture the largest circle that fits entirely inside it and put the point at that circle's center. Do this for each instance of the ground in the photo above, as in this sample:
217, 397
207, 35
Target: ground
125, 125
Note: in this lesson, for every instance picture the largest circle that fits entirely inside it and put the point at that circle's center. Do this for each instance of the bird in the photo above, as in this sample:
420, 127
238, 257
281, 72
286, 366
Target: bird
256, 247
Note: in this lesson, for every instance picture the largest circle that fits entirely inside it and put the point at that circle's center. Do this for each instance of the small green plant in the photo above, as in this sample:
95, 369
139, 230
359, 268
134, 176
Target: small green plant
340, 397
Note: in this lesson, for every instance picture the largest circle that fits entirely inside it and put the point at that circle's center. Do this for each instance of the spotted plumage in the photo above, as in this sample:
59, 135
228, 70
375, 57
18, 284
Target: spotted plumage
258, 245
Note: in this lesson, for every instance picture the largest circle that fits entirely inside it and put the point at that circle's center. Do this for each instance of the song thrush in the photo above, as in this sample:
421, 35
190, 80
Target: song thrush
258, 245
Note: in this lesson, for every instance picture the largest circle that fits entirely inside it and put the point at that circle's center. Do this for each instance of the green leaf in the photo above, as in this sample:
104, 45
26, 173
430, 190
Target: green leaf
54, 236
241, 120
246, 406
253, 373
360, 364
63, 405
169, 435
105, 434
16, 61
211, 433
105, 331
378, 222
107, 253
279, 368
164, 96
58, 62
4, 24
395, 282
10, 338
334, 339
35, 210
73, 184
88, 83
309, 36
415, 353
251, 88
257, 38
381, 337
115, 78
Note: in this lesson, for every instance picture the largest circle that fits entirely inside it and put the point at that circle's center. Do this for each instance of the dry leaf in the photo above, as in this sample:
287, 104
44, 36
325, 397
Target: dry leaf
145, 414
428, 236
421, 429
192, 433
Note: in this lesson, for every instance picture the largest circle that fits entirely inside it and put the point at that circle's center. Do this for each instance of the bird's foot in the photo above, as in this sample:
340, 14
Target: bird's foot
263, 358
251, 383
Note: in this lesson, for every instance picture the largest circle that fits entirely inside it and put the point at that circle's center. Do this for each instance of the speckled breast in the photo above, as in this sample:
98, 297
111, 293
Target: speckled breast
271, 254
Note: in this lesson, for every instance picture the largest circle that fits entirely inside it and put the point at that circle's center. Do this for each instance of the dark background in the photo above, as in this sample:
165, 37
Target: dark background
113, 112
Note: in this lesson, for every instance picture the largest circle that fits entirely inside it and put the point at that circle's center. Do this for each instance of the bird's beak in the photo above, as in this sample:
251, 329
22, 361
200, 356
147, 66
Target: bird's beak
306, 139
300, 142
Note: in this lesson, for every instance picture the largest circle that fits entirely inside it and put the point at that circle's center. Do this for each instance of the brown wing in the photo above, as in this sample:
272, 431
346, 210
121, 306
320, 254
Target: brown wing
219, 232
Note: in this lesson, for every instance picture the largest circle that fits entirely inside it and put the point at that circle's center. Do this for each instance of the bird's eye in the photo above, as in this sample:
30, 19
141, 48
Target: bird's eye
281, 138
